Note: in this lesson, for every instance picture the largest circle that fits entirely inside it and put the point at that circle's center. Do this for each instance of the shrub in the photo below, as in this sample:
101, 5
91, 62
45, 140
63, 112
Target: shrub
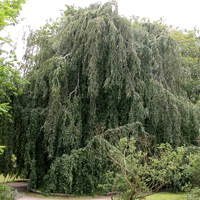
139, 174
8, 193
194, 194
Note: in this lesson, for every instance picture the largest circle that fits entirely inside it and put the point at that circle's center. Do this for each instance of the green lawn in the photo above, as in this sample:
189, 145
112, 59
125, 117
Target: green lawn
167, 196
2, 179
8, 179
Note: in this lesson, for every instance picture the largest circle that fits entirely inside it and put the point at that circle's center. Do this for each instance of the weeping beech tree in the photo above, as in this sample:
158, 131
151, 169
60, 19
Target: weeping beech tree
94, 72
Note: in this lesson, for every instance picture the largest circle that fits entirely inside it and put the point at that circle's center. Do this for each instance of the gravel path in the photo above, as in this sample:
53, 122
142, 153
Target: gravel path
22, 188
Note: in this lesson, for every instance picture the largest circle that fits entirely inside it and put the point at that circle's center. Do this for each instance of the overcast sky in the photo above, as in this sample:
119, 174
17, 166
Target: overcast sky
182, 13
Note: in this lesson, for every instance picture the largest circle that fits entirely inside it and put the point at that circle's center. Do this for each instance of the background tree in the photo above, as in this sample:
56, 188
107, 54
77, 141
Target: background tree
9, 75
189, 43
9, 12
10, 79
94, 72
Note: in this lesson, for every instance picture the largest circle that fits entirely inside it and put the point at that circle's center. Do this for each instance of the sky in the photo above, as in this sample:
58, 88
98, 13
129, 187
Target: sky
179, 13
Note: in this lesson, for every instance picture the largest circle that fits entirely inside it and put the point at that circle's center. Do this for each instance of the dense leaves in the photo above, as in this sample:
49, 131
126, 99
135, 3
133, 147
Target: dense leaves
9, 11
10, 79
10, 85
189, 42
137, 171
92, 73
8, 193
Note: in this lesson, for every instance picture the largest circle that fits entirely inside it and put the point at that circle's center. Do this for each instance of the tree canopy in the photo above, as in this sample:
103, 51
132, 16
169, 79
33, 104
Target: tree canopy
10, 80
9, 75
95, 72
189, 42
9, 12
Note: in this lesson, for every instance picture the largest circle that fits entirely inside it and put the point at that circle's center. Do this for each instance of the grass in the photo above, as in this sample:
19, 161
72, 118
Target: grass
167, 196
8, 179
3, 179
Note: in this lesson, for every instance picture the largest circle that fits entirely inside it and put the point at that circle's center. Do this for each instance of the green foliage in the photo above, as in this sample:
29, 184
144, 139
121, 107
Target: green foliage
192, 170
70, 9
189, 43
10, 80
78, 173
194, 194
10, 85
9, 76
8, 193
2, 149
139, 174
9, 11
95, 73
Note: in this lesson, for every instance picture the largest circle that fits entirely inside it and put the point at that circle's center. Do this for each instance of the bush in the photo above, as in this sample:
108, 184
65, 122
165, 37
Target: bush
194, 194
8, 193
192, 170
138, 174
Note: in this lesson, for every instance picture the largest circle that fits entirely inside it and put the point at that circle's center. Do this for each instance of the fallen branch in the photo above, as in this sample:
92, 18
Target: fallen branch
35, 191
53, 194
111, 193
